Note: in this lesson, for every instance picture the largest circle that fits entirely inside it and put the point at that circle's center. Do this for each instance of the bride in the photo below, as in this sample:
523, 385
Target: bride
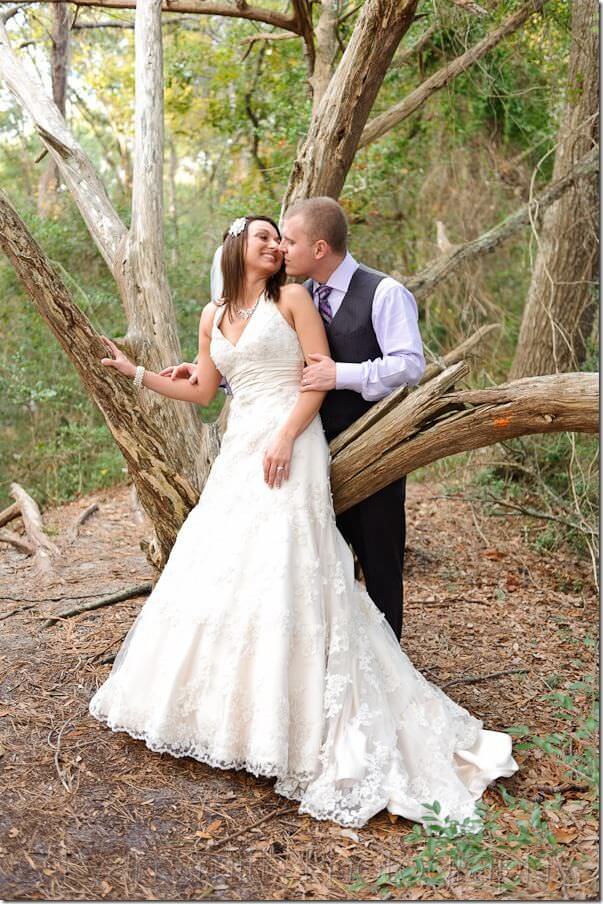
257, 649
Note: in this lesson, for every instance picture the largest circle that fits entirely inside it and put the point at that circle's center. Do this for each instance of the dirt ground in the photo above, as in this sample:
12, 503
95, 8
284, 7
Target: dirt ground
89, 814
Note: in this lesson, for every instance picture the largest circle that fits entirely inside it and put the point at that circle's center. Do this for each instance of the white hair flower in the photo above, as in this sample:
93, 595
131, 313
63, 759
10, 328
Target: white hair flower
237, 226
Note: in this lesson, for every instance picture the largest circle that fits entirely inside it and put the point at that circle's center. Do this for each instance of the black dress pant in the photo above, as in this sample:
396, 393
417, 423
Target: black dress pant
376, 531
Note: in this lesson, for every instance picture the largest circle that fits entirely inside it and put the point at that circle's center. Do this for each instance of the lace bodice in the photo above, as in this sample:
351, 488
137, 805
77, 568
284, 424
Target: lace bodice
265, 365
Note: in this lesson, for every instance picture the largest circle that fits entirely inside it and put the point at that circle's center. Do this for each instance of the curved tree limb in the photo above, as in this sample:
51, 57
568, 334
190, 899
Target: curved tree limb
463, 351
425, 281
164, 490
379, 125
230, 10
43, 549
433, 423
73, 164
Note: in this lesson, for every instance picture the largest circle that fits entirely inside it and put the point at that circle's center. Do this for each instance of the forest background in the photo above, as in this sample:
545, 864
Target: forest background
501, 558
235, 110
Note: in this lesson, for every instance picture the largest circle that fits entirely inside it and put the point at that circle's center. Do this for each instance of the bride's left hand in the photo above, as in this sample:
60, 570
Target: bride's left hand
277, 459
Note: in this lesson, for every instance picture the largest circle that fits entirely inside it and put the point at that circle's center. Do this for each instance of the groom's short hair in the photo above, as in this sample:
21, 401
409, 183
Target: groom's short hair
323, 218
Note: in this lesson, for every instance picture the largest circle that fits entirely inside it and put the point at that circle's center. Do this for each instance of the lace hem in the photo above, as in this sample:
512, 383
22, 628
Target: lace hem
257, 768
297, 785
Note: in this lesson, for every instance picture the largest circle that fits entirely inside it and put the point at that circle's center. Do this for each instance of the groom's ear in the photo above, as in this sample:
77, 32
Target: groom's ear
321, 249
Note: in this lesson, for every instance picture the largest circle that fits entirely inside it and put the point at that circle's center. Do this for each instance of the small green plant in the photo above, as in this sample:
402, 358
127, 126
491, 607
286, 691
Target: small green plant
442, 850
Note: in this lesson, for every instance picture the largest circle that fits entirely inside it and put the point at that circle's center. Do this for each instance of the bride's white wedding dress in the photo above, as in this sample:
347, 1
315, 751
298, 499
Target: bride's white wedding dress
258, 650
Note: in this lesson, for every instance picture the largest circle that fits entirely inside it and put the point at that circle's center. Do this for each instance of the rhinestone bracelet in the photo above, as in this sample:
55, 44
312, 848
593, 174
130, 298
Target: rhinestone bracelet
138, 376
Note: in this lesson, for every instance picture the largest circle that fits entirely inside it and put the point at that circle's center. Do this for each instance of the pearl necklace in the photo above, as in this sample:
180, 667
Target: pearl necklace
246, 313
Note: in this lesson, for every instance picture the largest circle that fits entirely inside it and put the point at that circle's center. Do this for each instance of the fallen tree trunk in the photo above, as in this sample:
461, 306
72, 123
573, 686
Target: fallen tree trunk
433, 423
9, 514
43, 549
466, 350
16, 541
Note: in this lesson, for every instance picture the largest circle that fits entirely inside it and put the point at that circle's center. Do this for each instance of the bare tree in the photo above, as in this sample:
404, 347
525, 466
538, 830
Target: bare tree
167, 448
59, 68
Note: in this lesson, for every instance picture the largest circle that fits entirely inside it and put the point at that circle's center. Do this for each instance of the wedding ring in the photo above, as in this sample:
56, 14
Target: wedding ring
281, 468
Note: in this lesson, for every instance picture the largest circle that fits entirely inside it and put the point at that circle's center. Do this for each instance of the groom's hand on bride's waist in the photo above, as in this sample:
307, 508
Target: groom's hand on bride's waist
180, 372
319, 375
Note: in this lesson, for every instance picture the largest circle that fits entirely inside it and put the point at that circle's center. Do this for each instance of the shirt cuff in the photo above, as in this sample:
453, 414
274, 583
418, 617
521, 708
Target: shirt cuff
349, 376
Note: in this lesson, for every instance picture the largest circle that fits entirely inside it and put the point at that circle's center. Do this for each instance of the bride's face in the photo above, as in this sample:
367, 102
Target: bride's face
263, 248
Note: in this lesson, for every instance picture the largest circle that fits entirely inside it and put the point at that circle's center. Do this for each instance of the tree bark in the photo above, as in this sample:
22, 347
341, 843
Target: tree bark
172, 202
325, 35
166, 494
433, 423
561, 303
59, 67
326, 154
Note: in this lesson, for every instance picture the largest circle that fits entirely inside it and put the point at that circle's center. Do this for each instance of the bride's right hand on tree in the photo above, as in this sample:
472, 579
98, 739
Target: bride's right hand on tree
119, 361
180, 372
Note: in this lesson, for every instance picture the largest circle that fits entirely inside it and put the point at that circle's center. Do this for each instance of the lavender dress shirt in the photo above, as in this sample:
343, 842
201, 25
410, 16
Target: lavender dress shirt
395, 321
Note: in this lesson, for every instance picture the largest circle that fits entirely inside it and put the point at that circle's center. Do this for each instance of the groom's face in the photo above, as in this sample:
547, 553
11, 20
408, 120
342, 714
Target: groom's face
300, 252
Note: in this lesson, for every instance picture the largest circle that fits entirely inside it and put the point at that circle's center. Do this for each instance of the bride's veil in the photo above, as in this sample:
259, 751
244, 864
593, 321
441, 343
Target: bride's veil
215, 276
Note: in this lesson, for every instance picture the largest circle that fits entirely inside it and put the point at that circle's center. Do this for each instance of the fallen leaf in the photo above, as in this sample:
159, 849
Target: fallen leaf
348, 833
565, 836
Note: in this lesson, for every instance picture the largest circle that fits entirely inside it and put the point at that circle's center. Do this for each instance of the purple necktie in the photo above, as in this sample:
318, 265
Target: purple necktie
322, 293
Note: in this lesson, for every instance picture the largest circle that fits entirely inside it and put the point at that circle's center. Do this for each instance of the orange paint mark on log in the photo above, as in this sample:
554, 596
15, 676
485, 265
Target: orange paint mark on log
502, 421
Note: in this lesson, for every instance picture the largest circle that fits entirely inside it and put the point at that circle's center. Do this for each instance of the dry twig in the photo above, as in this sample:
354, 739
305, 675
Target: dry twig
474, 679
120, 596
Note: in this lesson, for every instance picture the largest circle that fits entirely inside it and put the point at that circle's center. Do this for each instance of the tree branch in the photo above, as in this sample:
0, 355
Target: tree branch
302, 14
80, 26
424, 282
230, 10
268, 36
464, 351
434, 423
379, 125
74, 166
164, 490
326, 154
109, 600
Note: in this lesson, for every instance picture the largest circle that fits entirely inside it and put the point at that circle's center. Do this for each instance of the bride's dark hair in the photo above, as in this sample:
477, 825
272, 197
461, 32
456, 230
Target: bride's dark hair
233, 267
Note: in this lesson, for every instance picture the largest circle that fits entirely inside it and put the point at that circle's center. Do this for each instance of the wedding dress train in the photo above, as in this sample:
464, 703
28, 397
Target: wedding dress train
257, 649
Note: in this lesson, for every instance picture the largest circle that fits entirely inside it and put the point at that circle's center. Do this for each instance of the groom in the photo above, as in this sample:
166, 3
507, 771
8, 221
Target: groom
375, 344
